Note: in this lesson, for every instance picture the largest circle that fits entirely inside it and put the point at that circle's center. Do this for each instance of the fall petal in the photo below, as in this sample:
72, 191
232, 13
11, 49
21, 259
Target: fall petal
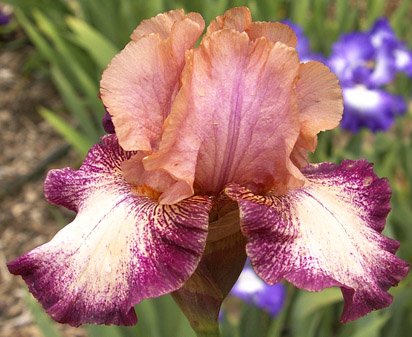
325, 234
235, 118
120, 249
140, 83
320, 105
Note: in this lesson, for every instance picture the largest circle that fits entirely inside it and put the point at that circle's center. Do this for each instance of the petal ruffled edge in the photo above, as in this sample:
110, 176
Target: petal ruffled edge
295, 236
240, 19
120, 249
195, 129
320, 102
140, 83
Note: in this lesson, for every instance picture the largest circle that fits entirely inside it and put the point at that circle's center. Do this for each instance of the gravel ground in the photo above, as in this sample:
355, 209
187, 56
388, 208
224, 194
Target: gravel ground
26, 219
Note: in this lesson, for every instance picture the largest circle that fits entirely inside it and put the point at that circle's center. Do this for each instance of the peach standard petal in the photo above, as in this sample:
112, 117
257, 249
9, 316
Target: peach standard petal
273, 31
162, 24
240, 19
140, 83
320, 106
235, 118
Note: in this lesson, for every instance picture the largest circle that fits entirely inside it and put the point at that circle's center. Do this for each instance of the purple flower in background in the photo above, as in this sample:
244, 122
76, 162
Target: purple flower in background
251, 289
364, 62
371, 108
303, 45
356, 61
5, 16
382, 35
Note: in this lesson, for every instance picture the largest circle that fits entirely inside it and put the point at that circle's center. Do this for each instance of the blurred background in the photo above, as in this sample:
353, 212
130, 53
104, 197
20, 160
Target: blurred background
52, 54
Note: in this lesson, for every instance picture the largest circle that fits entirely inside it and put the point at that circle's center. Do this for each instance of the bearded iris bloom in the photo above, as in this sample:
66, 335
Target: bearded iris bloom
208, 163
364, 62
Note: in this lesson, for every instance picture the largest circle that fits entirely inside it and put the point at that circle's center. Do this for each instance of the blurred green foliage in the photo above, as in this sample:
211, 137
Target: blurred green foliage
76, 39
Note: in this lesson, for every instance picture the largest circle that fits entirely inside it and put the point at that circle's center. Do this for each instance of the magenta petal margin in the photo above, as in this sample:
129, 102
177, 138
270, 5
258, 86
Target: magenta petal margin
325, 234
120, 249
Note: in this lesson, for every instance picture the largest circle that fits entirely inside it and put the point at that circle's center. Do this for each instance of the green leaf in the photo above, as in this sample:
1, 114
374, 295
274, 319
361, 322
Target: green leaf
308, 303
149, 322
38, 40
103, 331
74, 103
73, 137
375, 322
69, 60
97, 46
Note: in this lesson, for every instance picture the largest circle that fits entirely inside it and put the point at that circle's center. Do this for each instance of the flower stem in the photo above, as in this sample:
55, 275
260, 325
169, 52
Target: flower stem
209, 333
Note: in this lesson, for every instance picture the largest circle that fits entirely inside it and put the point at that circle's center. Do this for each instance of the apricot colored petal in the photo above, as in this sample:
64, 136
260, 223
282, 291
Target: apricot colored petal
235, 118
320, 104
120, 249
163, 23
273, 31
327, 233
238, 18
135, 174
140, 83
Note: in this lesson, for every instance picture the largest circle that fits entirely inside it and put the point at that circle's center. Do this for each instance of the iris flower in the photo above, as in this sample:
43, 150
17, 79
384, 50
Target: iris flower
208, 163
364, 62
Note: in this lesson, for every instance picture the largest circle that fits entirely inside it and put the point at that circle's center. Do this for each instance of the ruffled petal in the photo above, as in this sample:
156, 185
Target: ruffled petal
238, 18
273, 31
325, 234
163, 24
141, 82
235, 118
120, 249
320, 106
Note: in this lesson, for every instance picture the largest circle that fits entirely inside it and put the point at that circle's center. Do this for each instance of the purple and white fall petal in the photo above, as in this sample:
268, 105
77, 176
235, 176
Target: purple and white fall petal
325, 234
120, 249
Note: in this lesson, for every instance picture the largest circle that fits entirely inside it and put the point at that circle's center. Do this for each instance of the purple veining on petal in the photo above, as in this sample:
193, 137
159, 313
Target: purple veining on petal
121, 248
294, 236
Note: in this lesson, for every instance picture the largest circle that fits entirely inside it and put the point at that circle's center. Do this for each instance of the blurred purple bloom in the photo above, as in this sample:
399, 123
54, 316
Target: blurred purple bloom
364, 62
251, 289
371, 108
303, 46
4, 17
383, 35
355, 60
